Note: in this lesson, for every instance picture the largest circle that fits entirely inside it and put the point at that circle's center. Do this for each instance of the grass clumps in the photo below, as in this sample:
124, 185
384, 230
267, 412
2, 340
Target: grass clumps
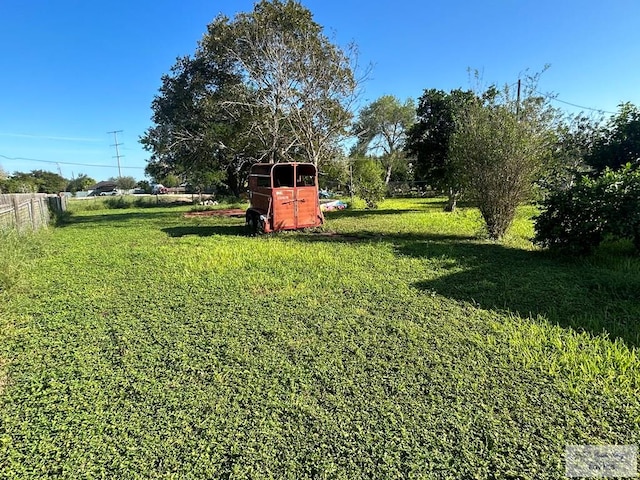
16, 252
403, 345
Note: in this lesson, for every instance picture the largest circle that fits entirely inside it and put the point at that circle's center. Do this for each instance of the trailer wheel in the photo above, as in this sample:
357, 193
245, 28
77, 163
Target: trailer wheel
259, 224
251, 222
255, 224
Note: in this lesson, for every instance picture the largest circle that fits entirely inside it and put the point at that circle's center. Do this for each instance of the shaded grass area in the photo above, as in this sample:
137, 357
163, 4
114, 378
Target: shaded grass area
401, 345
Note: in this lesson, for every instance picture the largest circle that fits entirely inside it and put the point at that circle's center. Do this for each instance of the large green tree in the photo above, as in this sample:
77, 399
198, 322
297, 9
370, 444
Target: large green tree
381, 130
267, 85
194, 136
303, 86
429, 138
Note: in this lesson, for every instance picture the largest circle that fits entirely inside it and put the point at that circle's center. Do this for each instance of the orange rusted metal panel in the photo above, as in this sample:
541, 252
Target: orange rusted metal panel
283, 196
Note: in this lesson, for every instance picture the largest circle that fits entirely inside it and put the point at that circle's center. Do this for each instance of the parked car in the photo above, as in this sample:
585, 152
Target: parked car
159, 189
109, 193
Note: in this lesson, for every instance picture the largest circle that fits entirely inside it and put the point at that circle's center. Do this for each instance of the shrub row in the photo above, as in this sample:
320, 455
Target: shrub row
579, 218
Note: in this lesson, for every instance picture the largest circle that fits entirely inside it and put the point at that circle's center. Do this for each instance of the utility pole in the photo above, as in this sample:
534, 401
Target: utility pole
518, 103
116, 144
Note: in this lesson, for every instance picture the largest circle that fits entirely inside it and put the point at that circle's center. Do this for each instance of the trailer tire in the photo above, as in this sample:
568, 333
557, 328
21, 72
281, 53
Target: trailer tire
252, 220
259, 224
255, 224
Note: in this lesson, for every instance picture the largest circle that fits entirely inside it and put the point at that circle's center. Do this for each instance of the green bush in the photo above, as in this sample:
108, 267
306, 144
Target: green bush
118, 203
579, 218
368, 183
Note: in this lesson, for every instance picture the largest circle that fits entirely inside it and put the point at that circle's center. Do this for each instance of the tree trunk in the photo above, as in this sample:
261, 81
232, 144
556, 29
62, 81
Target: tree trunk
232, 181
452, 201
388, 175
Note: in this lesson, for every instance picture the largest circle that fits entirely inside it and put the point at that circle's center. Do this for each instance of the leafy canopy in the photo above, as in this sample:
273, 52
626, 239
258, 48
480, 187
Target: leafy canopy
618, 142
36, 181
267, 85
429, 139
381, 130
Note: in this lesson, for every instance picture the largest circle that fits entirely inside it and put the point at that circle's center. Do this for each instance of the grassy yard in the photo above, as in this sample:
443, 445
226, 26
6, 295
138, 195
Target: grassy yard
136, 343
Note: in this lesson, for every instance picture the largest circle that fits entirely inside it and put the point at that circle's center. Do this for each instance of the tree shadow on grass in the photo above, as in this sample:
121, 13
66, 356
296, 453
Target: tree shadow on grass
570, 292
579, 293
206, 230
348, 213
110, 217
370, 236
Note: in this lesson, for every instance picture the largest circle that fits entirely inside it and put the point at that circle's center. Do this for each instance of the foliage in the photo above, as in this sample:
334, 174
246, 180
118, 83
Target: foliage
367, 180
145, 185
333, 173
194, 137
401, 347
20, 182
573, 142
618, 142
381, 130
500, 149
81, 182
124, 183
36, 181
303, 85
48, 182
429, 140
265, 86
579, 218
170, 181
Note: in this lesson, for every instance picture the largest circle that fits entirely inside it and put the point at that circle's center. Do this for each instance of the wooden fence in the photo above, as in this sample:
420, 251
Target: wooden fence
28, 211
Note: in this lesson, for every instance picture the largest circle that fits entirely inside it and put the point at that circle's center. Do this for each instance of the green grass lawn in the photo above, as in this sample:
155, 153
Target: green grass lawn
136, 343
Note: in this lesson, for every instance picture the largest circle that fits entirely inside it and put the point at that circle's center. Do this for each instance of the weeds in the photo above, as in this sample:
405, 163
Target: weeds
16, 252
152, 345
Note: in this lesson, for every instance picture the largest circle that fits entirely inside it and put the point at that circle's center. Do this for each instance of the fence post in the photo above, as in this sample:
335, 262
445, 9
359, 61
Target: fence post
42, 204
32, 213
45, 210
16, 211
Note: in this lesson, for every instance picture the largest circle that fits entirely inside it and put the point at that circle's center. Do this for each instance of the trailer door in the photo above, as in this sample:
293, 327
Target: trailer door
284, 201
306, 197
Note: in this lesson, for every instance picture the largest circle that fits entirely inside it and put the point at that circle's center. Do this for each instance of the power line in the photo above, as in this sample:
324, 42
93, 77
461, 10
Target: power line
551, 97
63, 163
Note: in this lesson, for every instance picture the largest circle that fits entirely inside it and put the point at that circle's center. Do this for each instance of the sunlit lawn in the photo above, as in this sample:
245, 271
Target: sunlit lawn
398, 343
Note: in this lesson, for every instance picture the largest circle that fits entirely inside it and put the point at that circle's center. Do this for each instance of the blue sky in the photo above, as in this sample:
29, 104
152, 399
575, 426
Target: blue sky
73, 70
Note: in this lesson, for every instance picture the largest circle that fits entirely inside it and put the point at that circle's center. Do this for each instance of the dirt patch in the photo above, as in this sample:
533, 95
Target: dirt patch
230, 212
